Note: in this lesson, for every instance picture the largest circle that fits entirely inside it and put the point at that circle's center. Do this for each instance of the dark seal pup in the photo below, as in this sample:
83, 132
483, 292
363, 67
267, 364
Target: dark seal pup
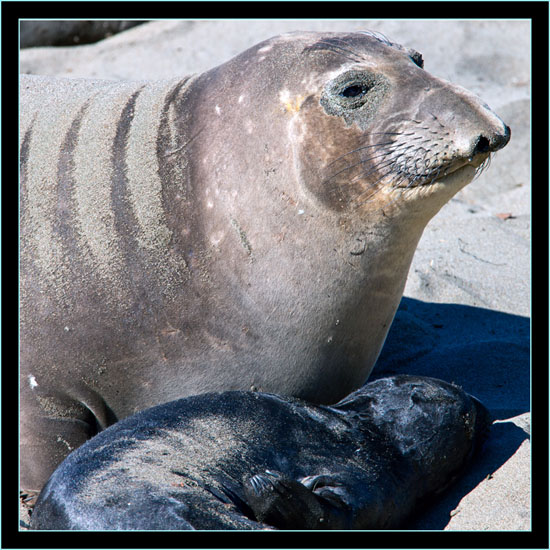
249, 227
249, 460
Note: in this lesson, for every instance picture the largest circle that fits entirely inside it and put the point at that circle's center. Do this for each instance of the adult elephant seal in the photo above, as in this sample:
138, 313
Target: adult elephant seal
250, 460
250, 227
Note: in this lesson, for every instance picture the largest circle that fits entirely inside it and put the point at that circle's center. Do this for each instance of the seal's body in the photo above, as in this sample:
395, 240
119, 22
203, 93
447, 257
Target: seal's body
250, 227
249, 460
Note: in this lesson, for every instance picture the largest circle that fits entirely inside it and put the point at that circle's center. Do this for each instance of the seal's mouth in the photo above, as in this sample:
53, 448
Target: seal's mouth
463, 168
478, 163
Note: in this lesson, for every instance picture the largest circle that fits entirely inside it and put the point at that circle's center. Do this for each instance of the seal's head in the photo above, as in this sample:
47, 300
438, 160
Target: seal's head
369, 126
429, 420
406, 134
318, 159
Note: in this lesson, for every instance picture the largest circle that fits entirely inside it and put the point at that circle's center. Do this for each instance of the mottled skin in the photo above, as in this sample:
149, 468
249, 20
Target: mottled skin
250, 227
249, 460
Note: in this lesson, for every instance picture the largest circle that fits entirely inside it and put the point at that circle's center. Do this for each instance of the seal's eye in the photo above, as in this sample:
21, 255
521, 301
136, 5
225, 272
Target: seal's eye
353, 91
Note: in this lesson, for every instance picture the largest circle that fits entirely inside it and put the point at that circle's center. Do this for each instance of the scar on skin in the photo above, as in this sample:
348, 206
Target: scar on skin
242, 236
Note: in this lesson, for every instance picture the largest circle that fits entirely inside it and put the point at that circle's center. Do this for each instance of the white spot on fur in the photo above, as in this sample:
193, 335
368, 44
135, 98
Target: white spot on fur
32, 382
217, 237
300, 212
209, 204
241, 98
218, 110
284, 96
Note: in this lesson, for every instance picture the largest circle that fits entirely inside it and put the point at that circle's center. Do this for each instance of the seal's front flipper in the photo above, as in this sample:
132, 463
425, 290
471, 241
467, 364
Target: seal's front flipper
53, 424
288, 504
330, 488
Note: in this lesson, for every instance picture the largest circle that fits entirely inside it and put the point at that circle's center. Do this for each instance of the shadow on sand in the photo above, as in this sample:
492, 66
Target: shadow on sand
485, 352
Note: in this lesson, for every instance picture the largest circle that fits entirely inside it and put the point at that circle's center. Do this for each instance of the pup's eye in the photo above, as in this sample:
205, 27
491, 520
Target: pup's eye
355, 90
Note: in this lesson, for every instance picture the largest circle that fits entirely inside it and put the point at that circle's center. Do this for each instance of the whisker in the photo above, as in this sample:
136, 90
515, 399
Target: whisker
378, 35
436, 176
482, 167
381, 178
359, 149
391, 133
362, 161
336, 48
381, 144
343, 45
377, 167
390, 150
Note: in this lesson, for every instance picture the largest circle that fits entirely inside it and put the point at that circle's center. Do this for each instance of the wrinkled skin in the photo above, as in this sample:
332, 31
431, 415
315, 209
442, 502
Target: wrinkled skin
249, 227
249, 460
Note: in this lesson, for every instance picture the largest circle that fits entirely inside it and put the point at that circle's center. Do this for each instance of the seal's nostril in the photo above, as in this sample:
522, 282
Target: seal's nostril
492, 144
482, 145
